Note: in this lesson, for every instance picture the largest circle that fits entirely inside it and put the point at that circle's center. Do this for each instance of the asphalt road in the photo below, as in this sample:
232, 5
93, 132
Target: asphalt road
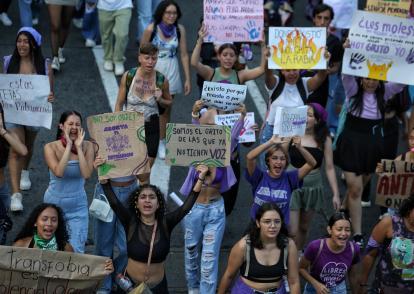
79, 86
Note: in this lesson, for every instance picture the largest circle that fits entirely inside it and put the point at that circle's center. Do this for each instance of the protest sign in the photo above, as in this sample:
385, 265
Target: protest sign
247, 134
233, 20
24, 99
290, 121
27, 270
120, 137
343, 10
198, 144
396, 183
297, 48
398, 8
382, 48
223, 96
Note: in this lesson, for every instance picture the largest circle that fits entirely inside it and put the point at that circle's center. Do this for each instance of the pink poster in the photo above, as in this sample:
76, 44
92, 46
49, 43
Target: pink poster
233, 20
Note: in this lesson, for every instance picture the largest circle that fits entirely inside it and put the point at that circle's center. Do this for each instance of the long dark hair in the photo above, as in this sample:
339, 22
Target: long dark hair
61, 234
133, 198
406, 206
36, 55
159, 12
320, 130
254, 234
356, 101
63, 117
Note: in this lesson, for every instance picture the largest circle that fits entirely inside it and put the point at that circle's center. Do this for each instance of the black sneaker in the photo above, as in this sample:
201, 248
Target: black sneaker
359, 239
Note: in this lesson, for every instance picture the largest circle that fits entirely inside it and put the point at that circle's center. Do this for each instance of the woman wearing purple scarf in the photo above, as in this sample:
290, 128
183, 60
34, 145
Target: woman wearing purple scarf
310, 197
169, 36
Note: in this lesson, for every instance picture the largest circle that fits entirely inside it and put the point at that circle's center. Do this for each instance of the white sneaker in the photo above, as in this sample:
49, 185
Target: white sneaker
108, 65
62, 58
25, 183
119, 68
365, 203
16, 202
161, 149
35, 21
90, 43
55, 64
4, 18
77, 22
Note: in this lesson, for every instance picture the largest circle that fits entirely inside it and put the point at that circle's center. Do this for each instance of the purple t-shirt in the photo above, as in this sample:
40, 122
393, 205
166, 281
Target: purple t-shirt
268, 189
331, 268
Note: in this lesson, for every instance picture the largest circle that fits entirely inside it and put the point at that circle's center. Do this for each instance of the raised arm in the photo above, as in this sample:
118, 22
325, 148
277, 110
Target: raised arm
270, 79
310, 160
85, 154
330, 173
254, 73
205, 71
235, 261
146, 35
177, 215
185, 60
56, 165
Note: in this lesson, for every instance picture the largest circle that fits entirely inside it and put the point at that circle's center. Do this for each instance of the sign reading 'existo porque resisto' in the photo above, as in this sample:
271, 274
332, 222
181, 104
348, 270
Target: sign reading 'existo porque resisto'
194, 145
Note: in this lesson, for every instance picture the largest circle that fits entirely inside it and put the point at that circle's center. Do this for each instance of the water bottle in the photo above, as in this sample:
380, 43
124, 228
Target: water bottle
124, 283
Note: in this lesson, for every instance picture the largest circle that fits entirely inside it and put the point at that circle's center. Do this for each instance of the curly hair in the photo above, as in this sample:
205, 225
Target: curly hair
61, 233
133, 198
254, 234
36, 54
320, 128
159, 12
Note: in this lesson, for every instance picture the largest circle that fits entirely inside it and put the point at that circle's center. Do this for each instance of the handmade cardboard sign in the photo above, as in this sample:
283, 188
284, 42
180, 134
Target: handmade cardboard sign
24, 99
297, 48
247, 134
382, 48
343, 11
233, 20
120, 138
290, 121
198, 144
24, 270
398, 8
223, 96
396, 183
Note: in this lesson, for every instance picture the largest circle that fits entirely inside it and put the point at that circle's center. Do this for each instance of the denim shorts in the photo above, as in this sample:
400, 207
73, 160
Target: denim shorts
28, 128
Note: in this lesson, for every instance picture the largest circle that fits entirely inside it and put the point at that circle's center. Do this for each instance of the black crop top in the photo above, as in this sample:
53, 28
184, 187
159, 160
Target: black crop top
263, 273
139, 237
297, 160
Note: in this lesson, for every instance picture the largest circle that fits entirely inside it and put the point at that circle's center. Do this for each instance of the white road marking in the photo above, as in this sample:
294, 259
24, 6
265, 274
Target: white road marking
160, 172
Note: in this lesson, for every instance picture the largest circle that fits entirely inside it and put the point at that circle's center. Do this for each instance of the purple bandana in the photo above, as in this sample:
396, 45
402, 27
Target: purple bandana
320, 110
167, 30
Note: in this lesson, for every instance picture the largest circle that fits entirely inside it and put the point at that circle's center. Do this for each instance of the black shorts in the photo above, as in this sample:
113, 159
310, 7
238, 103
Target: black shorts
152, 135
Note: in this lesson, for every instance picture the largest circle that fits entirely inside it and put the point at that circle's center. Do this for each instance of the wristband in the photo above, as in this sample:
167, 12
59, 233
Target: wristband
195, 115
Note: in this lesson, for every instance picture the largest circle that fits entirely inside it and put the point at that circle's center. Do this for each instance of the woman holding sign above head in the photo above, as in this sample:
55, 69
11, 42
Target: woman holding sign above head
360, 146
148, 228
26, 59
70, 161
169, 37
146, 90
310, 197
392, 241
204, 225
276, 184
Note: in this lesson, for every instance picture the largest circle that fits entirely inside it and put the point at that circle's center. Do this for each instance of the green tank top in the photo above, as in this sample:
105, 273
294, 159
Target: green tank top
219, 78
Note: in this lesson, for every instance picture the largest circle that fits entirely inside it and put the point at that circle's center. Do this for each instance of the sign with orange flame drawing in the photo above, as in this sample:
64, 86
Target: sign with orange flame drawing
382, 48
297, 48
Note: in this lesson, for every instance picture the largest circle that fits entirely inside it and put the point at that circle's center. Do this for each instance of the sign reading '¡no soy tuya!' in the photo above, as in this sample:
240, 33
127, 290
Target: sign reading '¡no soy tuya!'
297, 48
198, 144
120, 137
395, 183
382, 48
233, 20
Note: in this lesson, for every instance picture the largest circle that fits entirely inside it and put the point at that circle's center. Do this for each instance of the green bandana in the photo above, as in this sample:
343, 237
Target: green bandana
45, 244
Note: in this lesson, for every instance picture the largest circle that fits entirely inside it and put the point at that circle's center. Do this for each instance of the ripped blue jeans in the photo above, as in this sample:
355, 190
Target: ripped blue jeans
204, 229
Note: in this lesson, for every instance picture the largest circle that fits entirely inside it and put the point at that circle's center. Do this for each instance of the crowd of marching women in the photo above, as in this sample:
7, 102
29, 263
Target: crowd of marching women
285, 173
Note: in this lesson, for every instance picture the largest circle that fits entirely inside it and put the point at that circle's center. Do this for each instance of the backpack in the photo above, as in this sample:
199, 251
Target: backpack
159, 82
281, 85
